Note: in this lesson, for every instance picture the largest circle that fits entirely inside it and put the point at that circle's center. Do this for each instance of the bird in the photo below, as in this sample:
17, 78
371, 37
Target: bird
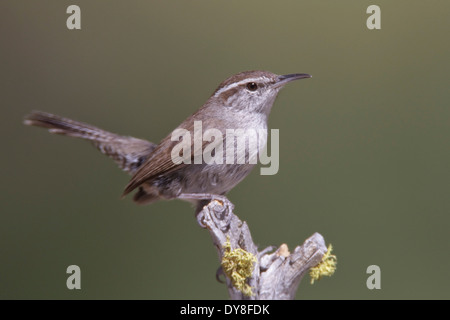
242, 101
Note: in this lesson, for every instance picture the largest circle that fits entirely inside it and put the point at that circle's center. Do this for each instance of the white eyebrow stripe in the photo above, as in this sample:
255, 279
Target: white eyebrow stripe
236, 84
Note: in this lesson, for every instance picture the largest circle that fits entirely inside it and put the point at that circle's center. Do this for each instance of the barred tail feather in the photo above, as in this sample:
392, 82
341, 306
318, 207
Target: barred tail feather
65, 126
128, 152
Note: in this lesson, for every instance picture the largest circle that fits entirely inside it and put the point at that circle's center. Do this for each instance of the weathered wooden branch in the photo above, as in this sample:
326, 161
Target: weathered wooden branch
276, 275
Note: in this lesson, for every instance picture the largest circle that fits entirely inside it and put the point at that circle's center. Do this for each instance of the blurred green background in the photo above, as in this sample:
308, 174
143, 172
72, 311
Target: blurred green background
364, 144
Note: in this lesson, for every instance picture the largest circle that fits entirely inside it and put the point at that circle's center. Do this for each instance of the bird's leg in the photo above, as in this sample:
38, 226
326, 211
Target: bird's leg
203, 199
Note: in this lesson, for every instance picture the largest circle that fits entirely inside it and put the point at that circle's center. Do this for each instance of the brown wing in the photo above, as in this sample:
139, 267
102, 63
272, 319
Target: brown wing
161, 161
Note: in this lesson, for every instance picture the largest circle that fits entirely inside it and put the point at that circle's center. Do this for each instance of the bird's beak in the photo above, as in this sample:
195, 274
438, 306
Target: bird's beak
282, 80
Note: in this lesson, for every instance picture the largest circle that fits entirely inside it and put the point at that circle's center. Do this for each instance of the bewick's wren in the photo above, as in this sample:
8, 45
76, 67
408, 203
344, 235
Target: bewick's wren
242, 101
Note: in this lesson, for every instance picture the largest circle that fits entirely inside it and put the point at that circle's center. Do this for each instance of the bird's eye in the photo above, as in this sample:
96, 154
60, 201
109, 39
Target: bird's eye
252, 86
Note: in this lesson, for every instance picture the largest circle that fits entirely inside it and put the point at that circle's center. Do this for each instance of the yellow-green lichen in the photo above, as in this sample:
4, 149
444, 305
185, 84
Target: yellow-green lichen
326, 267
238, 265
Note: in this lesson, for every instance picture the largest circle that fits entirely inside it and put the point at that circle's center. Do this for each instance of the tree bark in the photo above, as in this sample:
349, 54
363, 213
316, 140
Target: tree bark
276, 274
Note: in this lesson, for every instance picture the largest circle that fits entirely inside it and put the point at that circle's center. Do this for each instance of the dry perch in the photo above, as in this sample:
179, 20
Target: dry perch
274, 274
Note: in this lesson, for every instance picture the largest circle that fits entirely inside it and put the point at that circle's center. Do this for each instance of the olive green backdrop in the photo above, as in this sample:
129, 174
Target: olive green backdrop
364, 144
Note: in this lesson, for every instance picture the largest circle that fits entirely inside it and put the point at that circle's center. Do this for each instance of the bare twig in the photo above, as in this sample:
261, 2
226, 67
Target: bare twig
276, 275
